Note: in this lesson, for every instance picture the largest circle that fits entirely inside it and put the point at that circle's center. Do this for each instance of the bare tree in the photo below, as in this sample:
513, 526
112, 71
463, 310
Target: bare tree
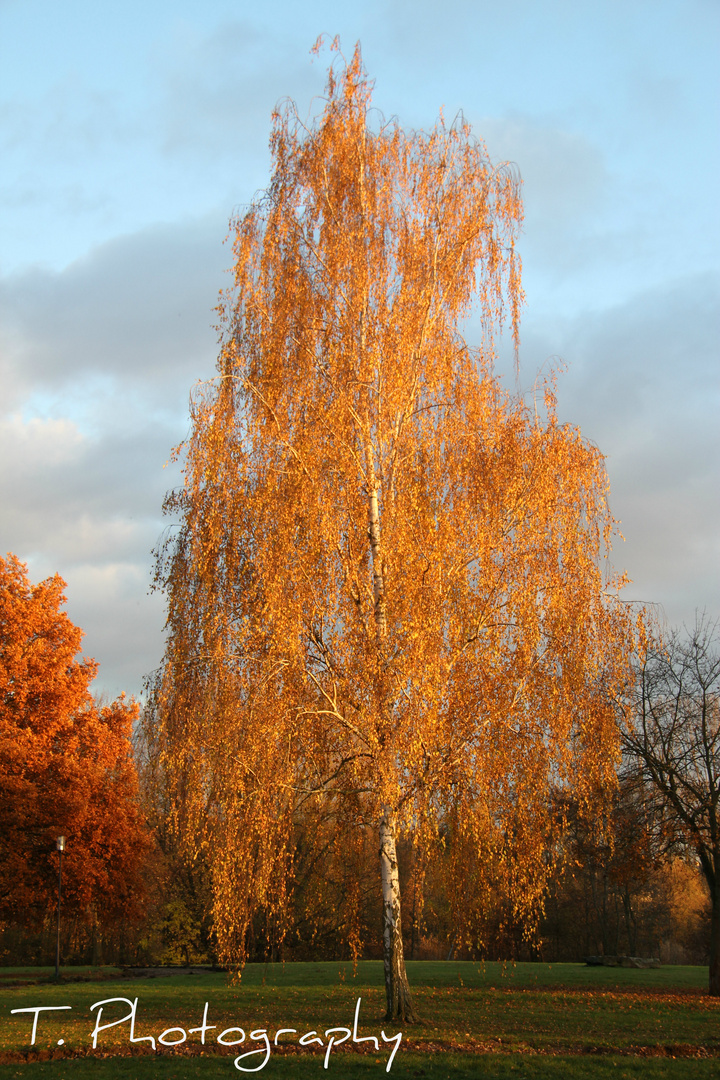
672, 727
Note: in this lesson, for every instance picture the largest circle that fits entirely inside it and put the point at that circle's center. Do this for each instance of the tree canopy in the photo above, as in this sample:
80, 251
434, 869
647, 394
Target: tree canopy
66, 767
386, 601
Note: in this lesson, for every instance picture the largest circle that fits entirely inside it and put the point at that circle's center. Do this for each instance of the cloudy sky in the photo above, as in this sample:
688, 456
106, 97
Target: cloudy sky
131, 131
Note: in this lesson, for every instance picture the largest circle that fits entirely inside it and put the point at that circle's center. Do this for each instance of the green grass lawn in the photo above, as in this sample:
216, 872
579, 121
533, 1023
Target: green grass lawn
20, 976
477, 1020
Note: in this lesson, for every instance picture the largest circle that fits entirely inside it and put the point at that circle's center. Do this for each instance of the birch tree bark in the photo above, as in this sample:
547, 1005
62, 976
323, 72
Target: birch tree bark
397, 988
399, 998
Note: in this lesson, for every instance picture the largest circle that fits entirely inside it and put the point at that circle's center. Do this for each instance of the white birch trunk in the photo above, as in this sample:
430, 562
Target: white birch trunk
397, 989
378, 569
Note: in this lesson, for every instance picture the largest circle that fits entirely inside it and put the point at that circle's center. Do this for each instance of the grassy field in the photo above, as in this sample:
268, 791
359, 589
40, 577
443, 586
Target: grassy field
477, 1020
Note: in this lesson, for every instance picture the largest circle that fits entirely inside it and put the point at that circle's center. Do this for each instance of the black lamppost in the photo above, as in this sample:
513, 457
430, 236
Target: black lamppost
60, 844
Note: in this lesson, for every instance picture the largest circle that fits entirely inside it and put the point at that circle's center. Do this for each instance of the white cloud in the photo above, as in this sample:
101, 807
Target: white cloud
123, 623
32, 443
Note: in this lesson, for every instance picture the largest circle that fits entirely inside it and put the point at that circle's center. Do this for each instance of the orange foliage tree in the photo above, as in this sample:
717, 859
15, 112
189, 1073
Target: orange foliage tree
66, 767
386, 607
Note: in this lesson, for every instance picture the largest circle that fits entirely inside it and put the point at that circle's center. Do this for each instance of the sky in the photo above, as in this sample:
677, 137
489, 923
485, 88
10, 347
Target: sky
131, 132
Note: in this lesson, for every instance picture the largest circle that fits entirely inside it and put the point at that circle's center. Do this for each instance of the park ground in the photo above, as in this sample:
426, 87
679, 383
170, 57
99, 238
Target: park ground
492, 1020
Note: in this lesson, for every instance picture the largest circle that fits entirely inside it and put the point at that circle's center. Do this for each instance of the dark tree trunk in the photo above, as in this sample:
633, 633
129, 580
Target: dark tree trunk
714, 987
630, 922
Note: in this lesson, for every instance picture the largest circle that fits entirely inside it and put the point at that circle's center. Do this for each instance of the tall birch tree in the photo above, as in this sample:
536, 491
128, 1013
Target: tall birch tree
385, 593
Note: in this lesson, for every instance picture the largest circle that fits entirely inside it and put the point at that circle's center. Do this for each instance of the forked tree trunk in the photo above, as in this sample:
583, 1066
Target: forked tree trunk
397, 989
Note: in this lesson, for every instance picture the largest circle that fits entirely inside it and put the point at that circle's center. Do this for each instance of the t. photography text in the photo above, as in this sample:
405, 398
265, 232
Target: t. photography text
232, 1036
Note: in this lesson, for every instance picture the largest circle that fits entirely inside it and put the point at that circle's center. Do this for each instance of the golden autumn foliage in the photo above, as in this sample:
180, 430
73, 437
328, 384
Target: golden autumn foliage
386, 605
66, 768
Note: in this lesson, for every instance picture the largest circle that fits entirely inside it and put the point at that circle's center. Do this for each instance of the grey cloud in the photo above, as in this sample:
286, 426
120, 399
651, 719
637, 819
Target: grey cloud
103, 479
102, 357
221, 89
139, 306
61, 153
642, 385
89, 509
564, 175
68, 121
651, 360
566, 191
657, 98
